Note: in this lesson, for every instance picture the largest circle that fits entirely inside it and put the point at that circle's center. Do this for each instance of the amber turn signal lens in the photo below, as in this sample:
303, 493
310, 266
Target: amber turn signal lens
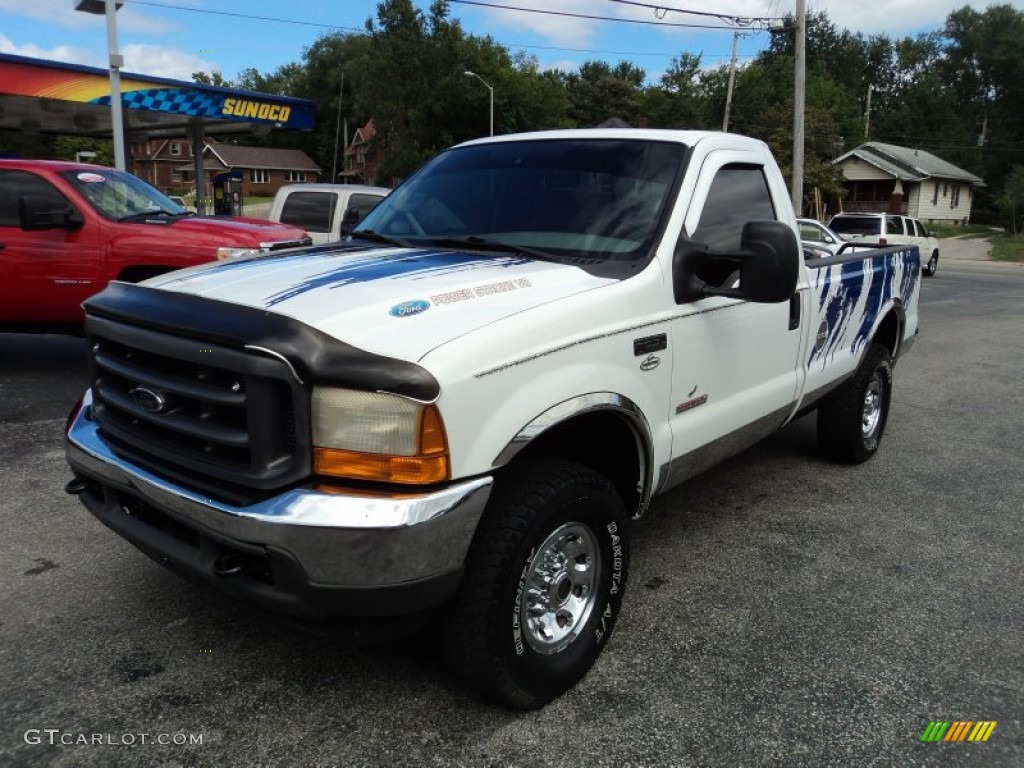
420, 470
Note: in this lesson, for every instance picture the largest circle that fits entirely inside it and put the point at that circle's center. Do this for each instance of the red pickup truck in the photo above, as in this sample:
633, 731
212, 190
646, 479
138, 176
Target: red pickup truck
67, 229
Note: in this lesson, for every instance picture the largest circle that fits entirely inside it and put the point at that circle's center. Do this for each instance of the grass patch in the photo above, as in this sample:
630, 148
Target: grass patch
1008, 248
971, 230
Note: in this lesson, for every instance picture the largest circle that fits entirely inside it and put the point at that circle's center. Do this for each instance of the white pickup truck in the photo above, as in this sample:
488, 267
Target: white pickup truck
460, 409
327, 210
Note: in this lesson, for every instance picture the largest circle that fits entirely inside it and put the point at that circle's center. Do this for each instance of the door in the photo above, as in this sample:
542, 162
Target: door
735, 363
45, 275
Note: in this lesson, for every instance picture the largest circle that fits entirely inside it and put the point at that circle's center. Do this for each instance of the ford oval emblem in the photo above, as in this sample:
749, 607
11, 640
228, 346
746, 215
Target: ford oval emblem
149, 399
650, 363
409, 308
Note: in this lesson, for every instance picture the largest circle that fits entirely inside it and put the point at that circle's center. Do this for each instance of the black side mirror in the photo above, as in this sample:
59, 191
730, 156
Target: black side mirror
768, 263
36, 213
349, 220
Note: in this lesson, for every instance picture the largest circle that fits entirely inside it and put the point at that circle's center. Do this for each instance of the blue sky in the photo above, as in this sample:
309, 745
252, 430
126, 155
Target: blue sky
172, 38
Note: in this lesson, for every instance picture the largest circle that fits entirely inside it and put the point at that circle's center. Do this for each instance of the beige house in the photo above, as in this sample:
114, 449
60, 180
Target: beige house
885, 178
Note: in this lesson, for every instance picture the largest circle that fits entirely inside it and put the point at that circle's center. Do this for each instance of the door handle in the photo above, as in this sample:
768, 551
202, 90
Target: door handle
794, 311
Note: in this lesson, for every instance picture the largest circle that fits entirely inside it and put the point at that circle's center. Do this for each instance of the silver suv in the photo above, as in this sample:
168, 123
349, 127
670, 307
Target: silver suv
889, 229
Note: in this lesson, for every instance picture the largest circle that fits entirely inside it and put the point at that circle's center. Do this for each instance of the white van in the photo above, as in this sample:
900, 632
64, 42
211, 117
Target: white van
326, 211
889, 229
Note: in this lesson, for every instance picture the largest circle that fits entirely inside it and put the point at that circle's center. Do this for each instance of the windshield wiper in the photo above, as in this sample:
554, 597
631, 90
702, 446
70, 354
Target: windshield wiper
154, 214
377, 237
476, 243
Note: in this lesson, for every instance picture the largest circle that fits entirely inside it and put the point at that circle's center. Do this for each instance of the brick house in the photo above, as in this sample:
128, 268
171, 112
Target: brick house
885, 178
159, 162
167, 164
361, 162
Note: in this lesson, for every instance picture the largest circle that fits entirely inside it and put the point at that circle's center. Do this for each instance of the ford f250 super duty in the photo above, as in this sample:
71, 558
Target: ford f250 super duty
460, 408
67, 229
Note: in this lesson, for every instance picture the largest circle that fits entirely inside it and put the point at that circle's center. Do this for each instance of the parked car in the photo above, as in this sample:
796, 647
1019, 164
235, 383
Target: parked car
889, 229
181, 201
815, 250
67, 229
817, 234
326, 211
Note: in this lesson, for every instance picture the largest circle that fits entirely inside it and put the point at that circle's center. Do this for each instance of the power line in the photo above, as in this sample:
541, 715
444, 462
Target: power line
591, 17
253, 17
660, 11
360, 30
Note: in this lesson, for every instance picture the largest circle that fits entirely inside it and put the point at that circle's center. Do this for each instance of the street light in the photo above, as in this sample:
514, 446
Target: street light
467, 73
110, 7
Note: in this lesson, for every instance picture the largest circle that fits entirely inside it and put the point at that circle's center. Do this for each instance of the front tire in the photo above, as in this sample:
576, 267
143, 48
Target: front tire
850, 425
932, 266
542, 587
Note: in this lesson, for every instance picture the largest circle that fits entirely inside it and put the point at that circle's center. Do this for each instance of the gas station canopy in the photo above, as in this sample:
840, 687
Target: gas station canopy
38, 96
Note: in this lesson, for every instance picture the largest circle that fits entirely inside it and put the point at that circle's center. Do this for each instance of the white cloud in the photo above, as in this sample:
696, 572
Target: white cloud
160, 61
560, 65
64, 53
59, 12
563, 31
62, 13
891, 17
141, 59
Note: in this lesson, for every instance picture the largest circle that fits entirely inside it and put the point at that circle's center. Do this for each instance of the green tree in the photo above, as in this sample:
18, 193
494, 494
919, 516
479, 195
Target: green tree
66, 147
679, 99
599, 91
211, 78
1011, 200
983, 65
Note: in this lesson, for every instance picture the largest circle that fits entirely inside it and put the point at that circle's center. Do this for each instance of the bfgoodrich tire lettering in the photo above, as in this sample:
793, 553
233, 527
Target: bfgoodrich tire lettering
543, 584
851, 424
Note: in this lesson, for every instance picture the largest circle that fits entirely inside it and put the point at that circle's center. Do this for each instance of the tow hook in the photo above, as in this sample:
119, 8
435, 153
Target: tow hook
77, 486
228, 564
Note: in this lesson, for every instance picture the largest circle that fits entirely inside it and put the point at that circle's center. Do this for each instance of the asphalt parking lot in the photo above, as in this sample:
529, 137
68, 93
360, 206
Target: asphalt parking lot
781, 610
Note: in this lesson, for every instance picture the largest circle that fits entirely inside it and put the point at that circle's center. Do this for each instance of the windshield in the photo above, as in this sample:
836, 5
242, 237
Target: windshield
117, 195
596, 198
856, 225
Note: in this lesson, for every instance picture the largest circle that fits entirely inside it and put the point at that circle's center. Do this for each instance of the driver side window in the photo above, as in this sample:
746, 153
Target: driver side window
14, 184
738, 194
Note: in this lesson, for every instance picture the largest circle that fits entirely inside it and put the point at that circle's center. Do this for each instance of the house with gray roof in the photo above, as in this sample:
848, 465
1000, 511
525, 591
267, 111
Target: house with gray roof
263, 169
167, 165
886, 178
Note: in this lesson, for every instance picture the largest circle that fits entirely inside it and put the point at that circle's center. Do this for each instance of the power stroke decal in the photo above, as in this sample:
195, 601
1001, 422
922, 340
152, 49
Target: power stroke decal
401, 264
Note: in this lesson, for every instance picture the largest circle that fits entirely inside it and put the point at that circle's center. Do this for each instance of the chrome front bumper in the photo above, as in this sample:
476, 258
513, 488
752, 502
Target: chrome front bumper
327, 553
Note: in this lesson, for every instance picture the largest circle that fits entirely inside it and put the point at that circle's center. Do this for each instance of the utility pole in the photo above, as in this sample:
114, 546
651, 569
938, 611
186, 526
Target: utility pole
732, 79
115, 60
799, 82
337, 130
867, 117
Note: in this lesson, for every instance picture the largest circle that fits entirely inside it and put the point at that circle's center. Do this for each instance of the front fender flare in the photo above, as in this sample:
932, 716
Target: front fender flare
577, 406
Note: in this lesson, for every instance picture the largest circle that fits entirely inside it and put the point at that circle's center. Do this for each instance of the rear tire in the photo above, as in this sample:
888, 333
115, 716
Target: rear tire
543, 585
851, 424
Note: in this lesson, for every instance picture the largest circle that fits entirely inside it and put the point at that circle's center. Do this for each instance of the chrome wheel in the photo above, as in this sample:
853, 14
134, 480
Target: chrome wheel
871, 415
560, 587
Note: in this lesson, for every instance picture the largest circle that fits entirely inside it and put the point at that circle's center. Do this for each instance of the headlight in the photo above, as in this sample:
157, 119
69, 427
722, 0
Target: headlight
237, 253
373, 436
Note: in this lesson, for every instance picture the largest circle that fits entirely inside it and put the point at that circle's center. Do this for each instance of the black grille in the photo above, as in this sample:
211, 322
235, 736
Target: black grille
222, 421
